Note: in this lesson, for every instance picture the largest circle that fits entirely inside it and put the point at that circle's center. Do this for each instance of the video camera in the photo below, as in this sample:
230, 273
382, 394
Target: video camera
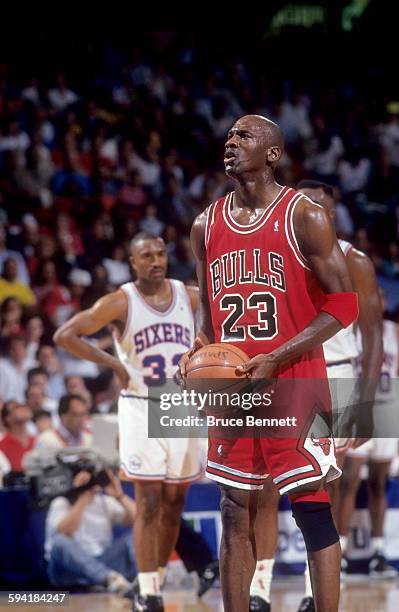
51, 473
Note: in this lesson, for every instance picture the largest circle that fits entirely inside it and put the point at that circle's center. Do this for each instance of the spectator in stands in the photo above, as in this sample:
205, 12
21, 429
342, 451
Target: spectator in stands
75, 385
17, 441
42, 421
60, 97
48, 360
79, 541
10, 286
36, 399
116, 266
14, 370
22, 271
10, 317
73, 413
53, 297
34, 330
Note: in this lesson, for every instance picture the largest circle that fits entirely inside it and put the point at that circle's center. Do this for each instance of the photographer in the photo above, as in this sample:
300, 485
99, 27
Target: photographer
79, 546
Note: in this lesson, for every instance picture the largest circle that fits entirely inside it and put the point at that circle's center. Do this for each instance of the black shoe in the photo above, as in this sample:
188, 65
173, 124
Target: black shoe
207, 577
379, 568
257, 604
133, 590
148, 603
307, 605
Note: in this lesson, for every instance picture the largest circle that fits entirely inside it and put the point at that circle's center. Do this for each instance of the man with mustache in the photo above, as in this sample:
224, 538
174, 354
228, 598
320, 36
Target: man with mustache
153, 326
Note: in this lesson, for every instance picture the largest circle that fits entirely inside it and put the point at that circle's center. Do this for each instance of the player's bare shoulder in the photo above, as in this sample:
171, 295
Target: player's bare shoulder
193, 294
112, 305
311, 223
360, 261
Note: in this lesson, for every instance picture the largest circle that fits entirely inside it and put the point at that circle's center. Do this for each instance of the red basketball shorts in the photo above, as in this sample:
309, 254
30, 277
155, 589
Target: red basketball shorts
292, 457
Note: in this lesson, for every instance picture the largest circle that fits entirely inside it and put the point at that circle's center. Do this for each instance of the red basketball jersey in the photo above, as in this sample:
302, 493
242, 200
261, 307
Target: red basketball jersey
261, 290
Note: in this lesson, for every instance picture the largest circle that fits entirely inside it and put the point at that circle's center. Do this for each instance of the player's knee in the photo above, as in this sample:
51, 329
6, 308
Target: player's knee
234, 512
269, 497
172, 506
149, 506
316, 523
377, 485
348, 484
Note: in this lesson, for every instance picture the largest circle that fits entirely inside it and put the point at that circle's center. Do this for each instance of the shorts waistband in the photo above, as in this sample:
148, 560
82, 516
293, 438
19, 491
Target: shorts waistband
337, 363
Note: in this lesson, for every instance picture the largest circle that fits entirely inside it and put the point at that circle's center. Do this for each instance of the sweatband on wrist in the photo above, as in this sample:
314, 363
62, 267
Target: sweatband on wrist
342, 306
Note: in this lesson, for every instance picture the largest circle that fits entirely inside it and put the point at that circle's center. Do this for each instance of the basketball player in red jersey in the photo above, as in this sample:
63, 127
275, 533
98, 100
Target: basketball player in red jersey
274, 282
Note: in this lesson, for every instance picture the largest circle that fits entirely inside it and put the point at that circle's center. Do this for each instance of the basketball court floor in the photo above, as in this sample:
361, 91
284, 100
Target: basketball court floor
357, 596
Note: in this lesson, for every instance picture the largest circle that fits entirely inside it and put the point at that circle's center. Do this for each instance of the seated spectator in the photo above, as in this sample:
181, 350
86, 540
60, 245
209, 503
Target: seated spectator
11, 313
53, 297
14, 370
17, 441
79, 540
73, 413
10, 286
34, 330
75, 385
22, 270
354, 172
48, 360
116, 266
36, 399
42, 421
60, 97
38, 376
150, 222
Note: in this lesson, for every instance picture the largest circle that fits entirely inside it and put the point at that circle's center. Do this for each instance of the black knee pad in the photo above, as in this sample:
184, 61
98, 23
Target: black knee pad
315, 521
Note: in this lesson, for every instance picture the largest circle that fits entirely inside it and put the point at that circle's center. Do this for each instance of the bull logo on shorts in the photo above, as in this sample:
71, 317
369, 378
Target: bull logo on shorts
324, 443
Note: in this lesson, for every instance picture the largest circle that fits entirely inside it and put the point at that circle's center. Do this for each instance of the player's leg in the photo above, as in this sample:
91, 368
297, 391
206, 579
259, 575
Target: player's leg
173, 497
384, 449
311, 509
148, 497
143, 462
266, 535
238, 548
349, 486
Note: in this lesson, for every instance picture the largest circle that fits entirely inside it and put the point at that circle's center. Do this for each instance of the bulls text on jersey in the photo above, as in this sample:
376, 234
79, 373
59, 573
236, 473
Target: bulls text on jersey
247, 267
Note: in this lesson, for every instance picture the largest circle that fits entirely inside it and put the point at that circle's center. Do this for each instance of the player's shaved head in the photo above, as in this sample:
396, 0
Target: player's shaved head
271, 131
142, 237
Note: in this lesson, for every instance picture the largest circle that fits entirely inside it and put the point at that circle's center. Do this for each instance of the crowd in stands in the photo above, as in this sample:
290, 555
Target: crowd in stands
83, 168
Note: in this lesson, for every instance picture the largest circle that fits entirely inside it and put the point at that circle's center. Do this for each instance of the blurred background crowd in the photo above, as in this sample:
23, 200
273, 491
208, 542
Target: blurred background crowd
89, 159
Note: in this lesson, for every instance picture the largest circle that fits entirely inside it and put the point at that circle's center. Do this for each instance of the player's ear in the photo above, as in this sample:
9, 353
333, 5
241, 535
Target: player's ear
273, 154
133, 265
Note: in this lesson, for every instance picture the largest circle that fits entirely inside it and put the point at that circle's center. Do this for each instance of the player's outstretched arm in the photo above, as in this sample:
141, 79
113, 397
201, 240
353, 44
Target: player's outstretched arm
204, 329
318, 243
70, 336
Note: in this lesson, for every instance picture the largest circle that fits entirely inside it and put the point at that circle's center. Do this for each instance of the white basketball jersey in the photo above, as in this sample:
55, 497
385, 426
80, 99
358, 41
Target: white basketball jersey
387, 389
154, 341
343, 345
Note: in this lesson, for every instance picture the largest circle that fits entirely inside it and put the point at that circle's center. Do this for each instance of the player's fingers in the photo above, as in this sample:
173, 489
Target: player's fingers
246, 367
182, 365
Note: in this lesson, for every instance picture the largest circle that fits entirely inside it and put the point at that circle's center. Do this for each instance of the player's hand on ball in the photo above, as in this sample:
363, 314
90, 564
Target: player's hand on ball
200, 341
261, 366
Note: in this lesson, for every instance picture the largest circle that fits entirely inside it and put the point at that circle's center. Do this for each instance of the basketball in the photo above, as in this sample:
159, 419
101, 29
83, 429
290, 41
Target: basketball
219, 360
